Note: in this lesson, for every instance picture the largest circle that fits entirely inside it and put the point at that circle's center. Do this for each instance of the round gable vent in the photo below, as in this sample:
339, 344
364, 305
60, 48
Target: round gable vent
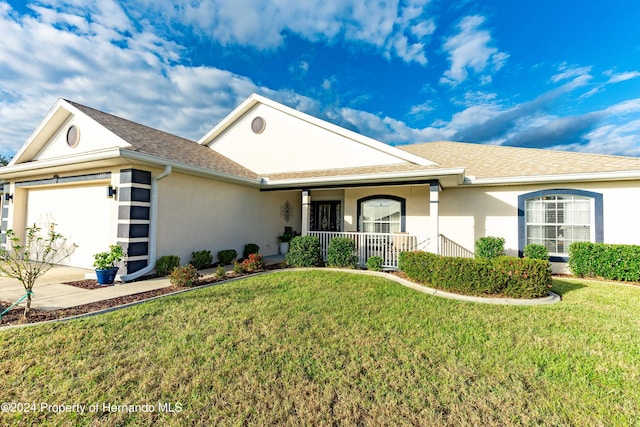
73, 136
258, 124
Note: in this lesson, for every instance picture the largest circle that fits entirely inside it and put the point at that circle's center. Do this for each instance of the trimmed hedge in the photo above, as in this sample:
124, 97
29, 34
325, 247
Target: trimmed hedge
201, 259
342, 253
226, 256
614, 262
536, 251
375, 263
250, 248
508, 276
304, 251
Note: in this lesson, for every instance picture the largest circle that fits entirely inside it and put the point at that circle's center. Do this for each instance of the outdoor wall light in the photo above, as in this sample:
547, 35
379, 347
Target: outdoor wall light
8, 197
111, 191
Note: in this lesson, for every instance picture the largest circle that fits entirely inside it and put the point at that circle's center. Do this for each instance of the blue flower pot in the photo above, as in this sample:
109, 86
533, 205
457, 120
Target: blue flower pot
106, 277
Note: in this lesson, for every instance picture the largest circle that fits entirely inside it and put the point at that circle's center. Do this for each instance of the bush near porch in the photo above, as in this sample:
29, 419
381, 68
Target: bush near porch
507, 276
614, 262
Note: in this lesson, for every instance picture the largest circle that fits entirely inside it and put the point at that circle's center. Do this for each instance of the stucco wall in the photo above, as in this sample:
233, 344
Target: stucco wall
293, 145
196, 213
418, 220
467, 214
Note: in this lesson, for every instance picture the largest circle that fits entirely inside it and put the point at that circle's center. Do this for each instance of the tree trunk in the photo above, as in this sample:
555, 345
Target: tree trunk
27, 308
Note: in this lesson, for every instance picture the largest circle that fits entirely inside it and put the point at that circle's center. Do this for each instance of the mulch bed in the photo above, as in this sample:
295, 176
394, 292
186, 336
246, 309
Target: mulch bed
14, 317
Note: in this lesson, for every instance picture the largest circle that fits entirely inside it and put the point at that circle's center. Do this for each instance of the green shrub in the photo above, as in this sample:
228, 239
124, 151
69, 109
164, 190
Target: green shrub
238, 267
221, 273
250, 248
375, 263
614, 262
201, 259
490, 247
253, 263
226, 256
166, 264
508, 276
418, 265
304, 251
184, 276
342, 253
536, 251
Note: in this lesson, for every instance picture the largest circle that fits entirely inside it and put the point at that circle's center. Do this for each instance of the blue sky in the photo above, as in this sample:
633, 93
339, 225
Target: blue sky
557, 74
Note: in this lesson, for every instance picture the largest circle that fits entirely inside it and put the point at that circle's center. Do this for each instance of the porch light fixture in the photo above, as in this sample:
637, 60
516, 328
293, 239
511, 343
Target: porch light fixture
8, 197
111, 191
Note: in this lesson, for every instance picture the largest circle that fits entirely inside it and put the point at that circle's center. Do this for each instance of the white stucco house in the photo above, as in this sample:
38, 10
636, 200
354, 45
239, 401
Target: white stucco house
103, 180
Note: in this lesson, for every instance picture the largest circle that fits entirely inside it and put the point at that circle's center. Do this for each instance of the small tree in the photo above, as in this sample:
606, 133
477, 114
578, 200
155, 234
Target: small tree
27, 260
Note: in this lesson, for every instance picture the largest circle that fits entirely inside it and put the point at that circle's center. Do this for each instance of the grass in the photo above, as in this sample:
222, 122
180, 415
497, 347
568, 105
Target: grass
320, 347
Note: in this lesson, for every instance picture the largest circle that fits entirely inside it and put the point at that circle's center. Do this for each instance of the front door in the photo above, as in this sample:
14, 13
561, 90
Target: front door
325, 215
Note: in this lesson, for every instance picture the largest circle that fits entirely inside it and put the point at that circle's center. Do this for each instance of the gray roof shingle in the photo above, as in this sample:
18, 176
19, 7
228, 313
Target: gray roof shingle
164, 145
492, 161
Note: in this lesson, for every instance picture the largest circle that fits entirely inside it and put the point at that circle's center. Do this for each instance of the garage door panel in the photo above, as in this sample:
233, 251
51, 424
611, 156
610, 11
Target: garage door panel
82, 214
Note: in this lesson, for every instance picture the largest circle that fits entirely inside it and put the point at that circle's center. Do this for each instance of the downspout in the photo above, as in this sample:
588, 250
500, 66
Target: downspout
153, 229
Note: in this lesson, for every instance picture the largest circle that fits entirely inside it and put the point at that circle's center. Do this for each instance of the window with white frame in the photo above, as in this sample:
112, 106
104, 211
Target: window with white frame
381, 215
557, 220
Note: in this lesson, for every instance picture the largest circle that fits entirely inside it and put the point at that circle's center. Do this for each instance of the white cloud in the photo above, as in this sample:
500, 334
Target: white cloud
470, 50
395, 30
621, 77
619, 139
389, 130
570, 72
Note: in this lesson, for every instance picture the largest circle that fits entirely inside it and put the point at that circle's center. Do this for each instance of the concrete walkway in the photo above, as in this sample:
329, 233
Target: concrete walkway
50, 293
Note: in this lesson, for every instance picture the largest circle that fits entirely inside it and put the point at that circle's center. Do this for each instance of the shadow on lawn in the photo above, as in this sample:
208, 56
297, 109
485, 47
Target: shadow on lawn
563, 287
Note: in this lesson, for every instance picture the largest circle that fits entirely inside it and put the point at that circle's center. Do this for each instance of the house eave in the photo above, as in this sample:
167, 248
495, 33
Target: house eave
113, 157
98, 158
545, 179
448, 178
189, 169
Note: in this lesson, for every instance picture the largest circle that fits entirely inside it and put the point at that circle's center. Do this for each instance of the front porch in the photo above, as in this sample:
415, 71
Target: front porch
388, 246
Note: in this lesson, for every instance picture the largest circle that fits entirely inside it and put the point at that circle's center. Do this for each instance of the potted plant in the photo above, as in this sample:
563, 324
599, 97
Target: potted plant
284, 240
105, 264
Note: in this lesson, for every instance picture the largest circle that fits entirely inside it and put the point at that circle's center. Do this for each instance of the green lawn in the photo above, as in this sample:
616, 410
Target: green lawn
320, 347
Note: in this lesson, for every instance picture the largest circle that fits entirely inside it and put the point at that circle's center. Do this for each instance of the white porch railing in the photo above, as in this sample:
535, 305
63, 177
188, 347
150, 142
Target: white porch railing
450, 248
386, 246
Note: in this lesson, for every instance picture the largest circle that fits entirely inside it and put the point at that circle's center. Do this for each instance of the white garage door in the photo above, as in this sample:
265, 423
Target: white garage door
82, 214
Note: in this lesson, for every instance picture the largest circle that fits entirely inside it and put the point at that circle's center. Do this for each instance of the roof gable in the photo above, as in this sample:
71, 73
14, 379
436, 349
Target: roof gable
292, 141
49, 140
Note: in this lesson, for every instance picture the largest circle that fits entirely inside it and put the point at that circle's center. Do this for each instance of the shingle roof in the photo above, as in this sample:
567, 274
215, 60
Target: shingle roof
491, 161
161, 144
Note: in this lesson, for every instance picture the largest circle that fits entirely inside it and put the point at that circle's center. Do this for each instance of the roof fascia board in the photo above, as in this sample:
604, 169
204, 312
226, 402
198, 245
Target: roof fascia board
54, 111
256, 99
16, 170
594, 176
457, 173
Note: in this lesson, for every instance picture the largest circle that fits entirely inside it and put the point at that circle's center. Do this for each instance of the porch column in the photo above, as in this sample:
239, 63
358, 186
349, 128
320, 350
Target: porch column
434, 212
306, 212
